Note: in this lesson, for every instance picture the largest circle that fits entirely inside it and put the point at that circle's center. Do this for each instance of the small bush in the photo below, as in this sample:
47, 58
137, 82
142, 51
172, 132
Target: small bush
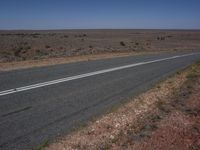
194, 72
169, 36
162, 38
25, 43
28, 47
17, 51
122, 43
52, 34
47, 46
35, 35
80, 35
37, 51
90, 46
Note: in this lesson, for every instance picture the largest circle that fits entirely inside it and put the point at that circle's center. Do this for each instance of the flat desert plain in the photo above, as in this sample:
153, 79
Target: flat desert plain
36, 45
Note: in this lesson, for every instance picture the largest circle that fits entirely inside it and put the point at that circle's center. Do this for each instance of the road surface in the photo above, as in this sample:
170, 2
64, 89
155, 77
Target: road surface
40, 104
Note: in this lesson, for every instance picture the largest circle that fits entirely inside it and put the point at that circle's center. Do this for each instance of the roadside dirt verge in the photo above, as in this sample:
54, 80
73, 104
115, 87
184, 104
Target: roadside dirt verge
7, 66
165, 117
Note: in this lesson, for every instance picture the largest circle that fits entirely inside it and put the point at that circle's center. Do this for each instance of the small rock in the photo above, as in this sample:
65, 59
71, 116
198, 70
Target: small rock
117, 125
91, 132
112, 137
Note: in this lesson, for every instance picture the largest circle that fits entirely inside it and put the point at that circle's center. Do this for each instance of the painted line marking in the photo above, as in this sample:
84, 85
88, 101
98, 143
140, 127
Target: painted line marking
43, 84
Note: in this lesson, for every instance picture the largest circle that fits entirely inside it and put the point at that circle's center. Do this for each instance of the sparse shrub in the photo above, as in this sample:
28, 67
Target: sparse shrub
136, 43
37, 51
6, 34
23, 58
122, 43
90, 46
169, 36
47, 46
17, 51
27, 47
42, 52
81, 35
194, 73
35, 35
178, 73
23, 52
52, 34
162, 38
5, 53
20, 34
65, 36
25, 43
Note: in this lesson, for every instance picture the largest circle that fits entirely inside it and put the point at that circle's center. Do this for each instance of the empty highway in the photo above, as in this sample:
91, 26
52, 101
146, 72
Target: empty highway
40, 104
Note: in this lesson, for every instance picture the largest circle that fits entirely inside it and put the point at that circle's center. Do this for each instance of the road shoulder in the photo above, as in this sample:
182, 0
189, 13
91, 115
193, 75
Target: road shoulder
16, 65
167, 115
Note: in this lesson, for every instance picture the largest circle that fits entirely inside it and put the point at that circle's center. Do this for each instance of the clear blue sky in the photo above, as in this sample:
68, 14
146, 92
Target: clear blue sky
73, 14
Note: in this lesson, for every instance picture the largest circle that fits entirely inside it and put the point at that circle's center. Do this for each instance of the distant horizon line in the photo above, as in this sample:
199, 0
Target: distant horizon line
56, 29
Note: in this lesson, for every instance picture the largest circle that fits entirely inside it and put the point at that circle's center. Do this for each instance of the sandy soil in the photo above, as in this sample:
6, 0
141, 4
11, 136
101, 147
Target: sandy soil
7, 66
166, 117
36, 45
175, 127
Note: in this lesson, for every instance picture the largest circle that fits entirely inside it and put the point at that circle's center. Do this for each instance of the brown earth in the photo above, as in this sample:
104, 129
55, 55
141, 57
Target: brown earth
166, 117
36, 45
6, 66
175, 126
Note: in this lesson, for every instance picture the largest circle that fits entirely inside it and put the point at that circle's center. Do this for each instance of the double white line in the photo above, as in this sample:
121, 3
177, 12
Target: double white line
38, 85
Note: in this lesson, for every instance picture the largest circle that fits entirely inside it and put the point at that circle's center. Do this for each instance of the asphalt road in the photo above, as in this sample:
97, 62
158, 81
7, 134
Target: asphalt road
41, 104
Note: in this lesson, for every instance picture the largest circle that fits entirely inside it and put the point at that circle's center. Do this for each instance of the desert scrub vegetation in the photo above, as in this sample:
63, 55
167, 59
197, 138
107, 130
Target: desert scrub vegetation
22, 34
35, 35
102, 42
122, 43
137, 43
81, 35
194, 71
47, 46
42, 145
41, 52
160, 38
17, 51
21, 48
65, 36
90, 46
52, 34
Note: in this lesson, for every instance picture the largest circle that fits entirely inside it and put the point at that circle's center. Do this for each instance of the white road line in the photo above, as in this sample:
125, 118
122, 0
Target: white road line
38, 85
